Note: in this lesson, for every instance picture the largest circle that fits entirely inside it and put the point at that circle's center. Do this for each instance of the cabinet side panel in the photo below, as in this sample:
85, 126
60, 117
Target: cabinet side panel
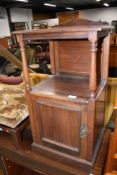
99, 115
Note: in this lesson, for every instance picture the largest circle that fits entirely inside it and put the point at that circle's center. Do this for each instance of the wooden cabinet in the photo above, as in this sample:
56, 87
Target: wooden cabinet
66, 115
66, 17
67, 110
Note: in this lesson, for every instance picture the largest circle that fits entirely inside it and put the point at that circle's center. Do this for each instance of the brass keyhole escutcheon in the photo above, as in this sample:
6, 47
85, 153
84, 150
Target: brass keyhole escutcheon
83, 131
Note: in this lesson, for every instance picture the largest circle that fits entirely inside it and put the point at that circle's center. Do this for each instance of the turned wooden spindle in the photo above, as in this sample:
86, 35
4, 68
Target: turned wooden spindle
105, 60
25, 66
93, 74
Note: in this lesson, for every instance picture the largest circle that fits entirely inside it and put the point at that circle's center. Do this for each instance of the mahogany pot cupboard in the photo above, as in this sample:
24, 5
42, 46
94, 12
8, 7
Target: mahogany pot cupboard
67, 109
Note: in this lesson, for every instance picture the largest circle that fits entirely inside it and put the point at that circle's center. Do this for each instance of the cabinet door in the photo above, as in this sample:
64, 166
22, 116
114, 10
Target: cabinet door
59, 127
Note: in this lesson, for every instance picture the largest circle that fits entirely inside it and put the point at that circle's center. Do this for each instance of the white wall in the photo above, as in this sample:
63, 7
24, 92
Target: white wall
103, 14
25, 15
4, 25
17, 15
21, 15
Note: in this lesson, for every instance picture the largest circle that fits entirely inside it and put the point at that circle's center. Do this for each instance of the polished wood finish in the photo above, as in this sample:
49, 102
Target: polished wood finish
15, 133
116, 100
113, 56
111, 164
4, 42
24, 63
60, 118
113, 173
105, 55
70, 59
27, 158
12, 168
66, 17
67, 110
1, 172
82, 29
113, 66
93, 76
3, 169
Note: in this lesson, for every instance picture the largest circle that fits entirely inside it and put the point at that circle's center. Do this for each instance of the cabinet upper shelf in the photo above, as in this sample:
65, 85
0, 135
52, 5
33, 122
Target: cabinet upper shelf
79, 48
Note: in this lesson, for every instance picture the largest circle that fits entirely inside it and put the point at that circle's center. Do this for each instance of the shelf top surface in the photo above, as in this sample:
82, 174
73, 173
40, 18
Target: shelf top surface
64, 87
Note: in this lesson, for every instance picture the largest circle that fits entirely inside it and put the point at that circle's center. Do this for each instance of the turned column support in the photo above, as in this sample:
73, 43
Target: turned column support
24, 62
93, 73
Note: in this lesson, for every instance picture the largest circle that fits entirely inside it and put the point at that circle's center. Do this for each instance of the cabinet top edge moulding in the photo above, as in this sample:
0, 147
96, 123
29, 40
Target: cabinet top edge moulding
88, 45
72, 30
